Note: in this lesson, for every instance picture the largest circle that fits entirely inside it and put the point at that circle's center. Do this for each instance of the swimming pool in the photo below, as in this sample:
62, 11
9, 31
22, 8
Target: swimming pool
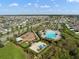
50, 34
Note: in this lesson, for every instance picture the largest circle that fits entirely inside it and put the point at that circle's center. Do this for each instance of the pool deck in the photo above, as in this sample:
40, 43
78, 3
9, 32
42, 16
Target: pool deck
58, 36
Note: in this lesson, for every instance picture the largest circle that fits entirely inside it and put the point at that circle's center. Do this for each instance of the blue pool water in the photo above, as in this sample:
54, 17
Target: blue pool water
42, 46
50, 35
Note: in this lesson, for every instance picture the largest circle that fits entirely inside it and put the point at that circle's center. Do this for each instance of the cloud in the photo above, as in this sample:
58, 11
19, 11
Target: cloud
45, 6
14, 5
29, 4
73, 1
55, 4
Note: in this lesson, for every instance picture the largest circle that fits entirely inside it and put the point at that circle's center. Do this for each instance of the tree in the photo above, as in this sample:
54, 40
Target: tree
1, 34
1, 44
73, 52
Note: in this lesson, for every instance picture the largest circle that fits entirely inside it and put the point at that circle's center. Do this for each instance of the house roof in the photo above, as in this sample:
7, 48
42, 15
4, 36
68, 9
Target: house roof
30, 36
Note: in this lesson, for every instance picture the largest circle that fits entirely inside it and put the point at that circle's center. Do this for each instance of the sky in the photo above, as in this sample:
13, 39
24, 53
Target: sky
15, 7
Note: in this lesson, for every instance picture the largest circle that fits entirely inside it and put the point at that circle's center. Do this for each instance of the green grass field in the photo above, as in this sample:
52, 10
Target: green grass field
11, 51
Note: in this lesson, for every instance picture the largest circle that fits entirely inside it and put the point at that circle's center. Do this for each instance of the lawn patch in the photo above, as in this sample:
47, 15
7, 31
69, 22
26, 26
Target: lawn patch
11, 51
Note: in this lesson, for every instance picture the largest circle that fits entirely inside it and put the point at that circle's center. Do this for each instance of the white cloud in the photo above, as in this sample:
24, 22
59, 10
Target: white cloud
14, 5
29, 4
45, 6
73, 1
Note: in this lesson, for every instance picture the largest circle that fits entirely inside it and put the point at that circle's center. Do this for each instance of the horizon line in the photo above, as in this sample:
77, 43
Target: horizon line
36, 14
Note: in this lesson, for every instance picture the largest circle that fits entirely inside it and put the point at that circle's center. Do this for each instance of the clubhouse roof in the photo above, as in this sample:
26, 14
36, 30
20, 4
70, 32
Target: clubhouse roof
27, 37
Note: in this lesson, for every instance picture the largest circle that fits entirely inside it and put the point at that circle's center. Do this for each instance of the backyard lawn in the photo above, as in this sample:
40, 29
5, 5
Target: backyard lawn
11, 51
